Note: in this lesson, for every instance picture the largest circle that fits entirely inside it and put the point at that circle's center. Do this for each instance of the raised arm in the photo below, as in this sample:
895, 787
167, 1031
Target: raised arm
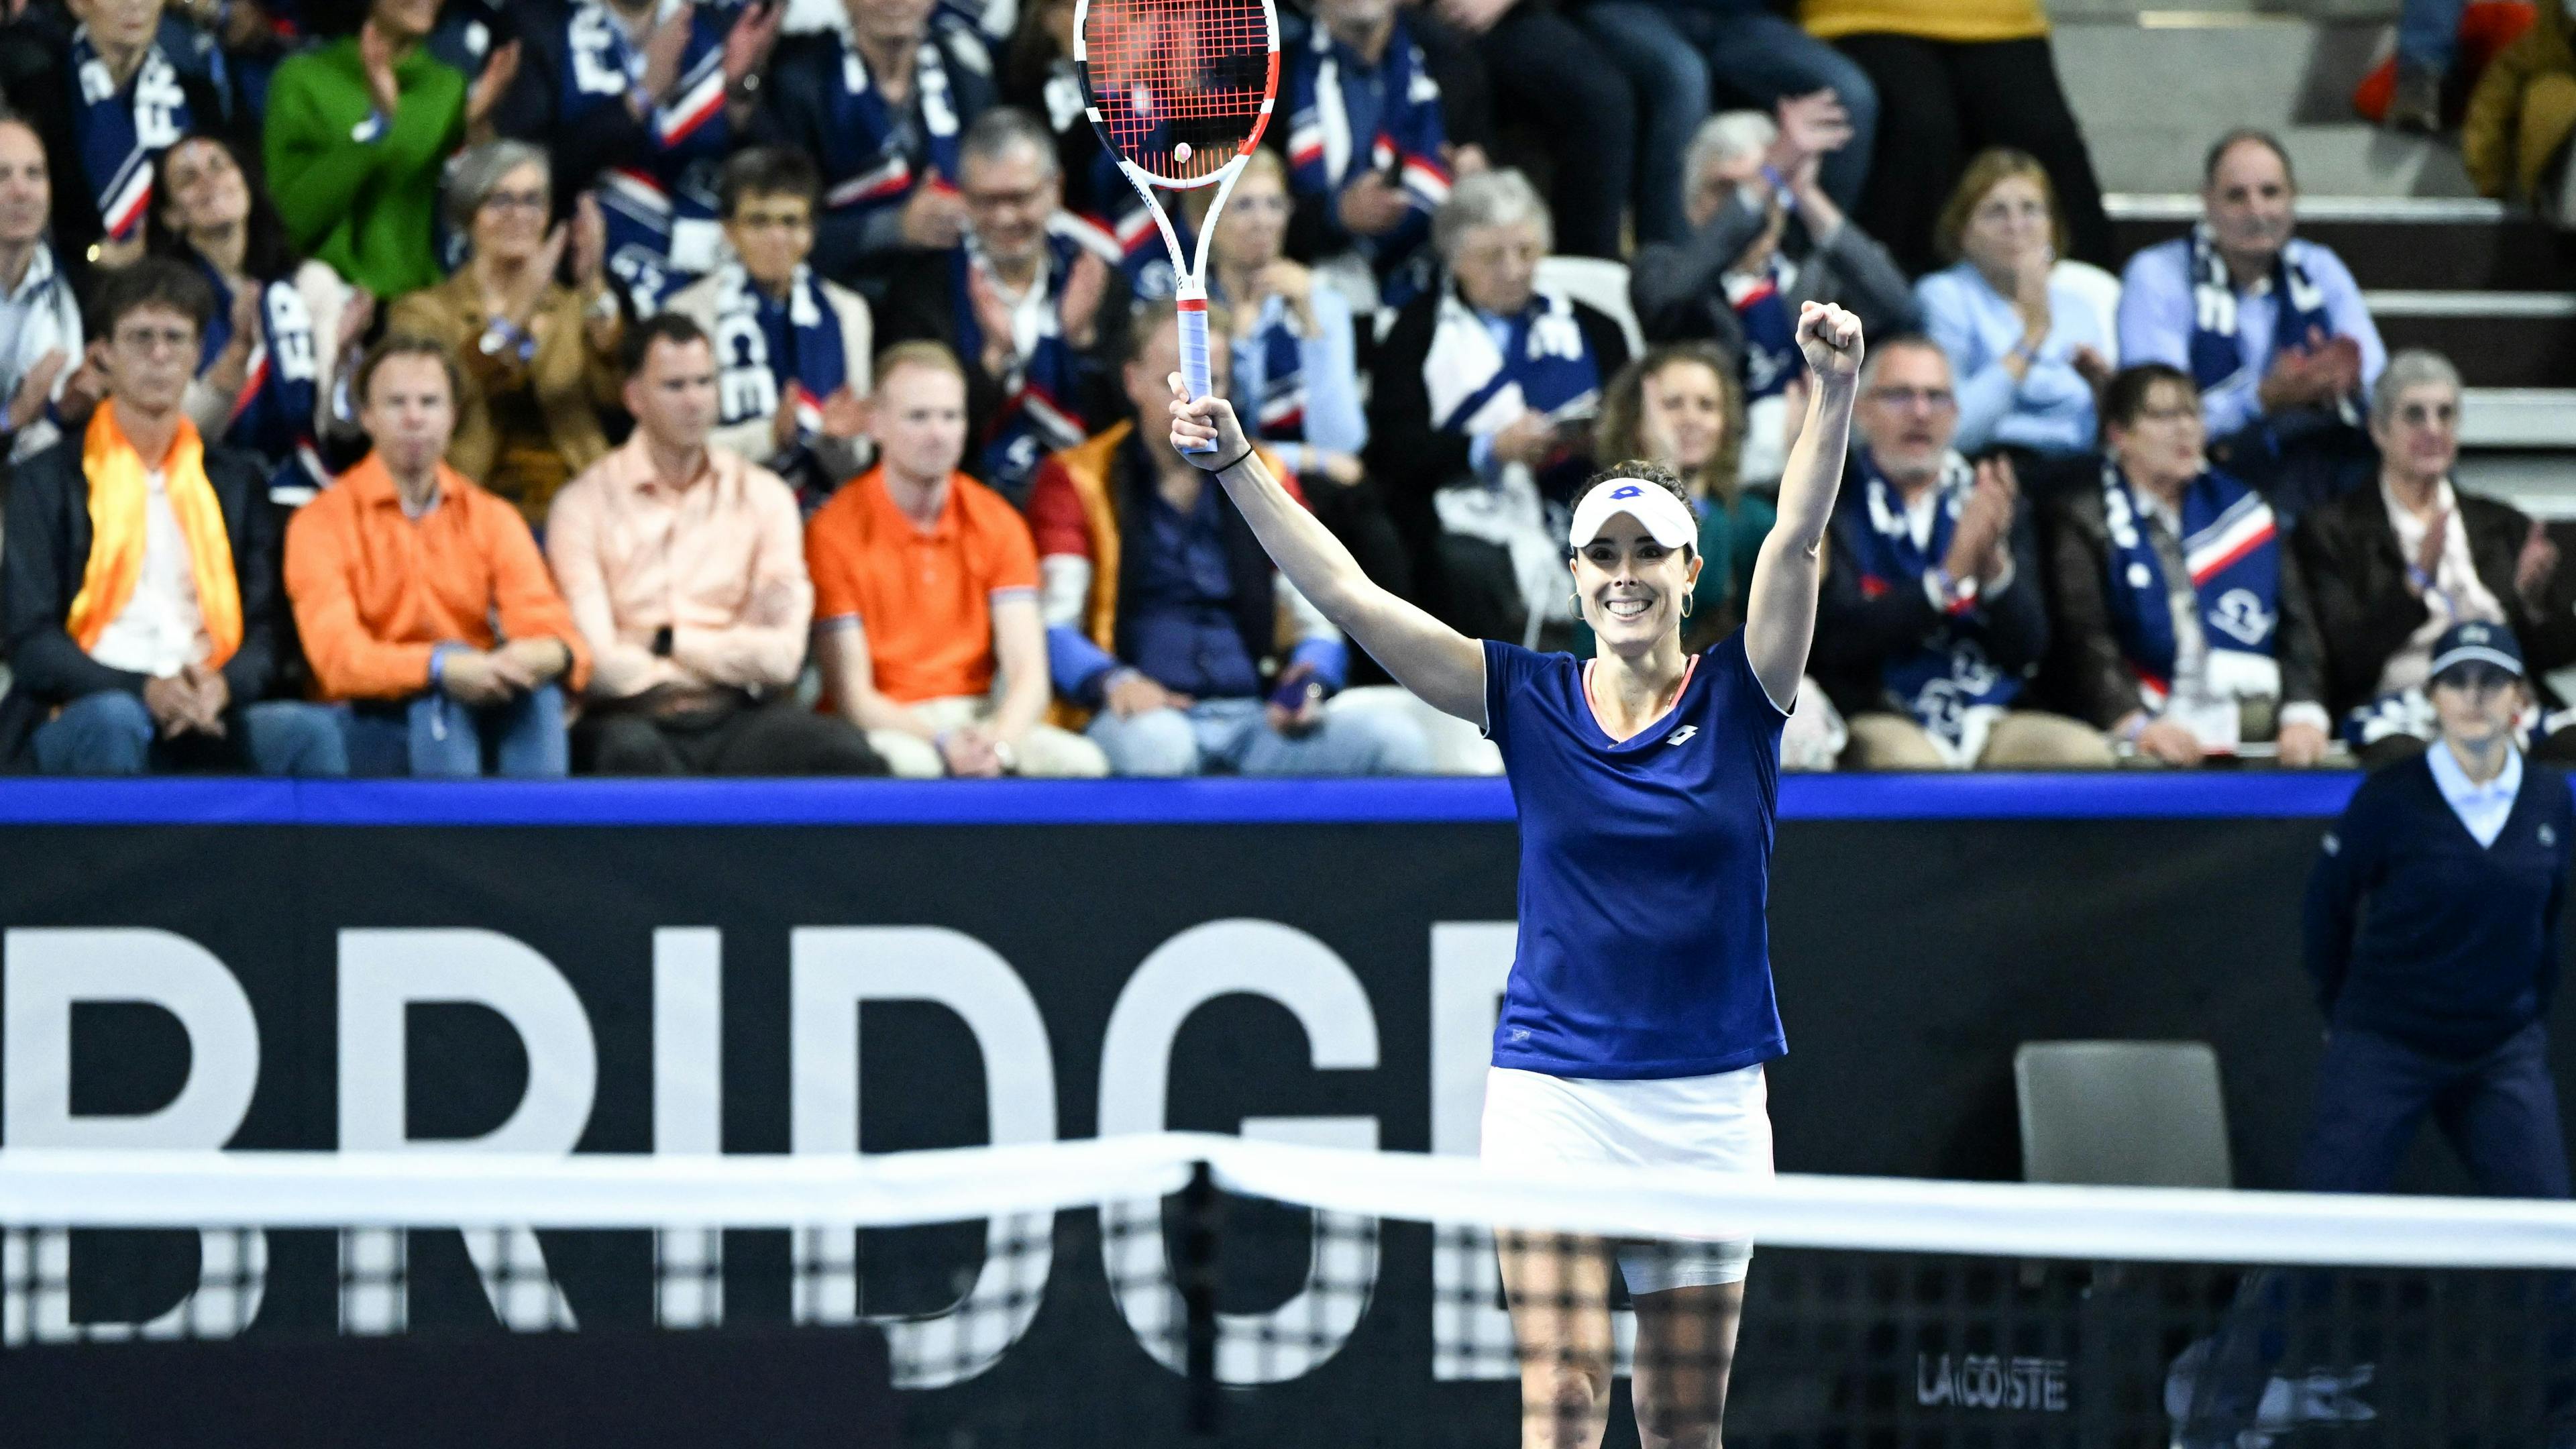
1780, 605
1436, 662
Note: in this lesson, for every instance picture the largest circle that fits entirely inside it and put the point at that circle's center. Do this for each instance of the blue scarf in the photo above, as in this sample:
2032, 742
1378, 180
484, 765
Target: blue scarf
772, 353
1280, 411
1344, 116
122, 135
1544, 355
273, 413
2231, 545
1944, 681
866, 153
672, 179
2216, 356
1039, 412
1771, 355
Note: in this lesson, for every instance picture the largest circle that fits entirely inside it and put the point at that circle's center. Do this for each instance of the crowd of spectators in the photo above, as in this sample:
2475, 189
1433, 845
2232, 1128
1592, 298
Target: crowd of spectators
520, 386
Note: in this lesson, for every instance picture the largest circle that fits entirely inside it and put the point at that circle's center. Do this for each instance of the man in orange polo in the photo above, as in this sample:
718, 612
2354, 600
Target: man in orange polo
926, 596
398, 571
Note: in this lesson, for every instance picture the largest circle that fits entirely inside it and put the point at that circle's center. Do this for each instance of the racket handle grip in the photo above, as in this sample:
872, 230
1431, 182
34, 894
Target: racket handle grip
1194, 351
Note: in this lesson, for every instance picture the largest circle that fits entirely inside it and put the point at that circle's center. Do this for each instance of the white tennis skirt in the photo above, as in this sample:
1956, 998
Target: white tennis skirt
1719, 1123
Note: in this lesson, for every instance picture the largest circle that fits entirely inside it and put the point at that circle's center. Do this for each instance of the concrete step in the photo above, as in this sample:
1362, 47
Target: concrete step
2152, 89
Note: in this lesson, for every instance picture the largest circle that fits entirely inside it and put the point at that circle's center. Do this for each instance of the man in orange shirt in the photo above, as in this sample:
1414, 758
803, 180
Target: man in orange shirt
926, 596
397, 572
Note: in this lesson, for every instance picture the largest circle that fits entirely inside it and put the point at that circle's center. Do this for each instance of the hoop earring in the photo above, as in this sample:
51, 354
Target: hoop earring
1686, 606
1576, 599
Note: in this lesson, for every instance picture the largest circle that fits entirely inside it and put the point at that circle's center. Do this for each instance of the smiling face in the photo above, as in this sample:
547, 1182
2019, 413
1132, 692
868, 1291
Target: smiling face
1009, 195
203, 189
26, 193
1682, 422
1908, 413
1631, 588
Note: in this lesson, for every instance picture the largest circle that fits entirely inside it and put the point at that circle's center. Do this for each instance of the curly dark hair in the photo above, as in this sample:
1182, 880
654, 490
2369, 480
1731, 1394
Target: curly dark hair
1620, 433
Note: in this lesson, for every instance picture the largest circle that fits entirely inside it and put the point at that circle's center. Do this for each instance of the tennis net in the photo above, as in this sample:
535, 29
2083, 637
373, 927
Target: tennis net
1181, 1288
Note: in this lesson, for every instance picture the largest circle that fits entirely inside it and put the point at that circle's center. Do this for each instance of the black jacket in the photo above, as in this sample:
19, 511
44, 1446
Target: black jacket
1680, 291
920, 306
1856, 632
46, 550
2086, 663
37, 81
2365, 613
1408, 456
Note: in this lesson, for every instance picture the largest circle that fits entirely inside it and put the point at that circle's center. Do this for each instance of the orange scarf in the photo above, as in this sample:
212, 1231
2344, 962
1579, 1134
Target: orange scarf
118, 492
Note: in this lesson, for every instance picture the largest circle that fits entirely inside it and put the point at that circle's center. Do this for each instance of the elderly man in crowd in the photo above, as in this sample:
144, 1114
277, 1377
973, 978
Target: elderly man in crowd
880, 105
2393, 566
423, 603
1026, 302
1932, 617
138, 590
926, 596
1166, 618
792, 349
2270, 328
40, 318
1480, 415
685, 569
1765, 237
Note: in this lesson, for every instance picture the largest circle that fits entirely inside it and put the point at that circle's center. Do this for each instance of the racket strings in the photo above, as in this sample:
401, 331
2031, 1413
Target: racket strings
1163, 75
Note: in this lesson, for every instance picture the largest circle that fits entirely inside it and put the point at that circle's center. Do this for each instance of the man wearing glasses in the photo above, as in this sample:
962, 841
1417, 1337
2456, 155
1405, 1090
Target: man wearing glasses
1931, 619
140, 587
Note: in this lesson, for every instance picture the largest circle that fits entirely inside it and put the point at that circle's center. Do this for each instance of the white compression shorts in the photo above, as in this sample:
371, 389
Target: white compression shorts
1719, 1123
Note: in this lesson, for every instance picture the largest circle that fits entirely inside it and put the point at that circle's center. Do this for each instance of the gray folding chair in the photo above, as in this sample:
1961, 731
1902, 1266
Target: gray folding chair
2122, 1114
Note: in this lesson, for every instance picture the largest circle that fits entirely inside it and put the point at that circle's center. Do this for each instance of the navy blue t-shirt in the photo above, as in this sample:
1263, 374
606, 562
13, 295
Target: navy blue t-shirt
1645, 872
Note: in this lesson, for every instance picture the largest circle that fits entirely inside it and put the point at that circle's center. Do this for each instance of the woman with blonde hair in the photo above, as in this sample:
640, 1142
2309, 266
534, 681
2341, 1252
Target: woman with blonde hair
2027, 344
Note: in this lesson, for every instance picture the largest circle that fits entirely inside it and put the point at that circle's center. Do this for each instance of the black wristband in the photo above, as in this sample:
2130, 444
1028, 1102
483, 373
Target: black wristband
1238, 458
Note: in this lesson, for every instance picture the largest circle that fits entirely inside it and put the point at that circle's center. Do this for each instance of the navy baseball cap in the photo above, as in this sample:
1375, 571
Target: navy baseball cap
2476, 643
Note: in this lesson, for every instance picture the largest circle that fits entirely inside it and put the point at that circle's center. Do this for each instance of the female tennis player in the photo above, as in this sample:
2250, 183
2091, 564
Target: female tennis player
1639, 1012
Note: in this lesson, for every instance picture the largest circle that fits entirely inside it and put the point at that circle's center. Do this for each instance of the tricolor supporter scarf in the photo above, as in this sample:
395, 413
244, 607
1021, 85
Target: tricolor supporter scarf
772, 352
1542, 364
122, 134
2233, 549
2216, 356
1945, 683
865, 151
119, 495
1761, 304
1039, 412
1344, 116
1279, 414
670, 181
273, 414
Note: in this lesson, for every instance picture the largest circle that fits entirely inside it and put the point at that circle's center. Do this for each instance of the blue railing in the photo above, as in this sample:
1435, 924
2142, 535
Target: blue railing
705, 802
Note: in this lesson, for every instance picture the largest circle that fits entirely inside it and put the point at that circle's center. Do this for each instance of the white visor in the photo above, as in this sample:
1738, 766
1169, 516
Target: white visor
1667, 518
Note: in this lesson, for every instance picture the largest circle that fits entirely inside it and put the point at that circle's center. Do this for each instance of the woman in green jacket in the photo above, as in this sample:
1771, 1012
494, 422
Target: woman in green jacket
357, 132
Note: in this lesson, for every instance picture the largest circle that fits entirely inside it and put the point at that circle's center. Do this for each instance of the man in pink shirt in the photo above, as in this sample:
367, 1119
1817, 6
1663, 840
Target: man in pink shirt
685, 568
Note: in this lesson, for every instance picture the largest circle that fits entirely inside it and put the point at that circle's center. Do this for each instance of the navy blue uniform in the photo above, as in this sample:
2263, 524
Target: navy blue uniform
1645, 872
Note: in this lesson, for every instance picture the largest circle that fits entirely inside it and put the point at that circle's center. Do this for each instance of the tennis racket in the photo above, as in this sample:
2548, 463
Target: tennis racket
1180, 91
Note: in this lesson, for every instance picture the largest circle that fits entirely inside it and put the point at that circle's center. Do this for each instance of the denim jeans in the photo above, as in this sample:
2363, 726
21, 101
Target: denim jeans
433, 736
1235, 733
1671, 84
2428, 34
1755, 57
111, 733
